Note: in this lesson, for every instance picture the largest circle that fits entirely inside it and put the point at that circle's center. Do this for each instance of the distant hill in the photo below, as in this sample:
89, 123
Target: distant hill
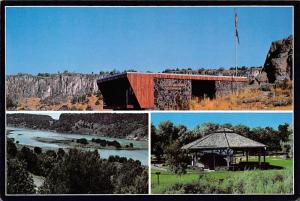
129, 126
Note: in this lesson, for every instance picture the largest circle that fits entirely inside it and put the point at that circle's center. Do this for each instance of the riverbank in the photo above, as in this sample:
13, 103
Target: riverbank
91, 144
11, 127
53, 141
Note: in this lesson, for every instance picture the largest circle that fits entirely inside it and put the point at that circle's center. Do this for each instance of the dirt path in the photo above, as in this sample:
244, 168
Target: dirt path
38, 180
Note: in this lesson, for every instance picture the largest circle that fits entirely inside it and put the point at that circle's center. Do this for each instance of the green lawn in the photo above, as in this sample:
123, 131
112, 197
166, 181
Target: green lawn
168, 178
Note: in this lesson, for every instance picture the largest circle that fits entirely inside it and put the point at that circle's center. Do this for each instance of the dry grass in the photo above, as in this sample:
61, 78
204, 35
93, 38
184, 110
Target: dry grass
29, 103
273, 98
36, 104
266, 97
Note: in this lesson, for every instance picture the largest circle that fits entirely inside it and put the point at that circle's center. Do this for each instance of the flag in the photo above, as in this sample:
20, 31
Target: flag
236, 19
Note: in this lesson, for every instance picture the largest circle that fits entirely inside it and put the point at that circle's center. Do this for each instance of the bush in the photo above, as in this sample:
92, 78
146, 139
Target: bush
10, 103
114, 143
31, 160
18, 179
37, 150
283, 84
11, 148
80, 173
249, 182
265, 87
60, 153
79, 99
51, 153
82, 141
43, 74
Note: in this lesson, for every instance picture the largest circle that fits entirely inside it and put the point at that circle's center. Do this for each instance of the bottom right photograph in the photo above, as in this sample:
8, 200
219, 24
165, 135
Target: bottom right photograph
222, 153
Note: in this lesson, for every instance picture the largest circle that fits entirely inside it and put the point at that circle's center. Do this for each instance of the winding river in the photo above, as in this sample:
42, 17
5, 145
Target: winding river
26, 137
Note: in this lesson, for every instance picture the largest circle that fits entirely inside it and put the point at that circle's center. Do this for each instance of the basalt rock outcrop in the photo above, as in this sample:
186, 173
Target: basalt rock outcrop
279, 62
53, 86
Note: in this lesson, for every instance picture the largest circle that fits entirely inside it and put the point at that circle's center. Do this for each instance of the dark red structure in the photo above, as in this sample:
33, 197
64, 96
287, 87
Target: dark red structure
134, 90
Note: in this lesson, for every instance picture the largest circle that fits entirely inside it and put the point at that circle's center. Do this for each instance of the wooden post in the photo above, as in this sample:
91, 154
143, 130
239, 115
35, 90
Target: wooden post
214, 162
259, 162
247, 154
227, 159
157, 173
264, 156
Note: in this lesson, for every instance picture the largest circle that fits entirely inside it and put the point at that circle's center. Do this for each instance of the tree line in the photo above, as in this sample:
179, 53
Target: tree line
72, 172
167, 139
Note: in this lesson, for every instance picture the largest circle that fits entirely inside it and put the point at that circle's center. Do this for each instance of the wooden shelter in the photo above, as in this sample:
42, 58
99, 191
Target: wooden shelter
225, 143
132, 90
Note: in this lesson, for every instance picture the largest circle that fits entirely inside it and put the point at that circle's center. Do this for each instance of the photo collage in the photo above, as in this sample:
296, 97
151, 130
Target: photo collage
149, 100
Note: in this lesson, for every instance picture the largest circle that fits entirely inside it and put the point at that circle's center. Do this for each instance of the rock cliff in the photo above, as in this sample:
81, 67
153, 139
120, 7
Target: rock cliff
51, 86
279, 62
129, 126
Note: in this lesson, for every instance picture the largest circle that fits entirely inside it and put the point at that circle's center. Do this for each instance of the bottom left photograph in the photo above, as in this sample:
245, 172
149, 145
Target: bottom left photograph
77, 153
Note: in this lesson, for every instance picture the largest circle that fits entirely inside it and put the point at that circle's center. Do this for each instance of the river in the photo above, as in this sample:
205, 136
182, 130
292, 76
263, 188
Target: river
26, 137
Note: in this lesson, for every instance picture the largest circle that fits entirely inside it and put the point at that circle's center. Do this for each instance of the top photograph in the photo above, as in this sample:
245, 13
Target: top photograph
101, 58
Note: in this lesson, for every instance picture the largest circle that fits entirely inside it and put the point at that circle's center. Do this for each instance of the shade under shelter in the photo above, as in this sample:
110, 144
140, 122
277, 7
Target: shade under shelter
225, 142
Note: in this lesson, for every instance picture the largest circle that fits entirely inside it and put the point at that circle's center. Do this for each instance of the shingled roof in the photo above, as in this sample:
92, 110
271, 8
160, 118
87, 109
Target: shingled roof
223, 138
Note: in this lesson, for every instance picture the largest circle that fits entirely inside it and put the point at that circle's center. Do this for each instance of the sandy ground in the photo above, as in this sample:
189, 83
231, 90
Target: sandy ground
38, 180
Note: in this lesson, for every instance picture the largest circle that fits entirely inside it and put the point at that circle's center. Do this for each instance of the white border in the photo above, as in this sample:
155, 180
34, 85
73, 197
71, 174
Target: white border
148, 111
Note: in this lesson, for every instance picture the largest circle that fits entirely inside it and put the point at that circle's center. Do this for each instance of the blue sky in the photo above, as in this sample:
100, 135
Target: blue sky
191, 120
52, 39
54, 115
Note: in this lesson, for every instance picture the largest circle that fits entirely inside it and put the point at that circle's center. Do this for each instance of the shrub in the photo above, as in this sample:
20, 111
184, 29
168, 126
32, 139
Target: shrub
82, 141
11, 148
18, 179
10, 103
265, 87
80, 172
60, 153
37, 150
249, 182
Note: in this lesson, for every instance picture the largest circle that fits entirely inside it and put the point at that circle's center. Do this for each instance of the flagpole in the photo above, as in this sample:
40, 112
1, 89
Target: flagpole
236, 44
235, 56
235, 41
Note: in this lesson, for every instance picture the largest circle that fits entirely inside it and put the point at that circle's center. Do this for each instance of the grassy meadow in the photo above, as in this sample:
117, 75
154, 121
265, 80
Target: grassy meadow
228, 182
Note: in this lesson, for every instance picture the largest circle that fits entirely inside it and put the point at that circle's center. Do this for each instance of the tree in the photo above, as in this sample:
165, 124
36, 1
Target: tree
141, 183
131, 178
37, 150
80, 172
242, 130
60, 153
11, 148
51, 153
166, 131
156, 145
176, 159
284, 132
18, 179
82, 141
205, 129
31, 160
287, 146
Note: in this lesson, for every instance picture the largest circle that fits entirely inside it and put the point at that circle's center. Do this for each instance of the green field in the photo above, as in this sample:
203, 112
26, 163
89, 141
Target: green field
167, 178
